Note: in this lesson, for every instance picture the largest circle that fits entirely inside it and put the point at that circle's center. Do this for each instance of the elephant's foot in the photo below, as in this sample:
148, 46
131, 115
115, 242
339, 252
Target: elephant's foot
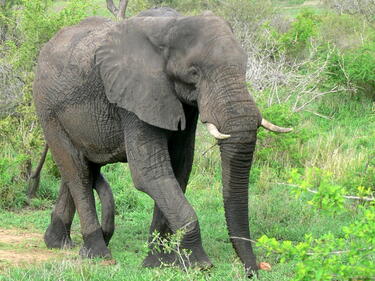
57, 235
94, 246
184, 258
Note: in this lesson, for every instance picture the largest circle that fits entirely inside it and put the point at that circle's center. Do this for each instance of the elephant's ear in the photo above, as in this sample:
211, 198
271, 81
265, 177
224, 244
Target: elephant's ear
132, 66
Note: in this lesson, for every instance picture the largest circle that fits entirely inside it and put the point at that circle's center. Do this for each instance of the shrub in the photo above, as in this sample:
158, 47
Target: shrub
37, 25
12, 193
296, 39
355, 67
29, 26
277, 151
329, 257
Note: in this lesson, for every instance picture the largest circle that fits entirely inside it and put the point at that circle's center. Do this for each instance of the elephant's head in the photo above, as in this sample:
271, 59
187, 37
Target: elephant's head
152, 65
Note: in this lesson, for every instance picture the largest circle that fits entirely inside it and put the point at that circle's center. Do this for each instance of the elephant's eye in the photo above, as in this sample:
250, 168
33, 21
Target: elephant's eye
194, 74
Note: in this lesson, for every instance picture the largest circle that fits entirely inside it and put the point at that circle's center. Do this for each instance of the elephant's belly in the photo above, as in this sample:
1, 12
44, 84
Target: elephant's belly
96, 131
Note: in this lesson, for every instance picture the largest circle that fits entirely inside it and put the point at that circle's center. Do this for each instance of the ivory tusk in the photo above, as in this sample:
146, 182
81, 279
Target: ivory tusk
273, 128
215, 132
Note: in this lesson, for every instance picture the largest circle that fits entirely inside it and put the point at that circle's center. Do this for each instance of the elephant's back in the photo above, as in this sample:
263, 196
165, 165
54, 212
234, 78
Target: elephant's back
66, 63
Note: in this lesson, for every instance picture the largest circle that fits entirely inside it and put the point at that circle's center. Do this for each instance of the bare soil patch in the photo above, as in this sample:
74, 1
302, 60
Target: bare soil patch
21, 236
23, 247
23, 257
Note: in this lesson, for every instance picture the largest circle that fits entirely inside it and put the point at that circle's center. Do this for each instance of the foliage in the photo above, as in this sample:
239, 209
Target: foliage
356, 66
31, 26
186, 6
37, 25
344, 31
344, 256
275, 150
324, 194
327, 196
171, 244
12, 194
329, 257
296, 39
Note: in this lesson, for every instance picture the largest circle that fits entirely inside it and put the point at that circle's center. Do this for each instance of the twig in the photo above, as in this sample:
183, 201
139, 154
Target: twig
243, 238
318, 114
363, 198
333, 90
359, 198
208, 149
339, 252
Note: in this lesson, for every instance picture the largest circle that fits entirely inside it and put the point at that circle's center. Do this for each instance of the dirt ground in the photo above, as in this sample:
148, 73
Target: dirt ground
19, 247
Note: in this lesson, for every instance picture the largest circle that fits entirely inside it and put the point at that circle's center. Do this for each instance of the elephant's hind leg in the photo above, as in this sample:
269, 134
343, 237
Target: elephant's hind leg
76, 172
108, 204
57, 234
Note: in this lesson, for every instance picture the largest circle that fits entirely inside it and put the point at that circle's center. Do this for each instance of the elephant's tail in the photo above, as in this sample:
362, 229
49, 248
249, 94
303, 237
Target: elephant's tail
34, 178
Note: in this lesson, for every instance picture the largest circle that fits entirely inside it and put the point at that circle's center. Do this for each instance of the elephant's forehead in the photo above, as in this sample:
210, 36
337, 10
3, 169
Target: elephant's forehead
207, 26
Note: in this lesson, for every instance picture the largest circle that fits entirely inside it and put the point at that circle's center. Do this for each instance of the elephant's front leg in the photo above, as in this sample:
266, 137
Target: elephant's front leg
181, 151
152, 172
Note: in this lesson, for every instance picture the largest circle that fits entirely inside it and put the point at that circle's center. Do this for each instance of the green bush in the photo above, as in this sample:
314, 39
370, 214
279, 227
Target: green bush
30, 25
355, 67
345, 255
330, 257
296, 39
38, 24
327, 195
12, 193
277, 150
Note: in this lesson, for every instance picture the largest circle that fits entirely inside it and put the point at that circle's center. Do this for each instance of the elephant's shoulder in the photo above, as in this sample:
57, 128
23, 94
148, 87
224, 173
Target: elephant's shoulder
94, 21
84, 44
73, 48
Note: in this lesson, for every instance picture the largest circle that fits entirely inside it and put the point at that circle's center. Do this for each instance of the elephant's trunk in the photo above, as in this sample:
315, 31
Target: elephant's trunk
236, 162
235, 116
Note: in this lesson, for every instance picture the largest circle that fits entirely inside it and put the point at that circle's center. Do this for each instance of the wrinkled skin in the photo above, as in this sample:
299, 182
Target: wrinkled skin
58, 233
131, 92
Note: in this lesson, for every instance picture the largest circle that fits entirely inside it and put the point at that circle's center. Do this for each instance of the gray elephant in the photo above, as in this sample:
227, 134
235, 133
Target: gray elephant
131, 92
58, 233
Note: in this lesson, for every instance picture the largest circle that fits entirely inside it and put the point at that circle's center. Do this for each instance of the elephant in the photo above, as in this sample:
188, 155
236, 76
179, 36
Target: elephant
61, 238
133, 91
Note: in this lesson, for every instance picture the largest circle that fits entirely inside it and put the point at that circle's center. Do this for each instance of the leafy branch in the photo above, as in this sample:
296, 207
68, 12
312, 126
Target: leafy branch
363, 198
